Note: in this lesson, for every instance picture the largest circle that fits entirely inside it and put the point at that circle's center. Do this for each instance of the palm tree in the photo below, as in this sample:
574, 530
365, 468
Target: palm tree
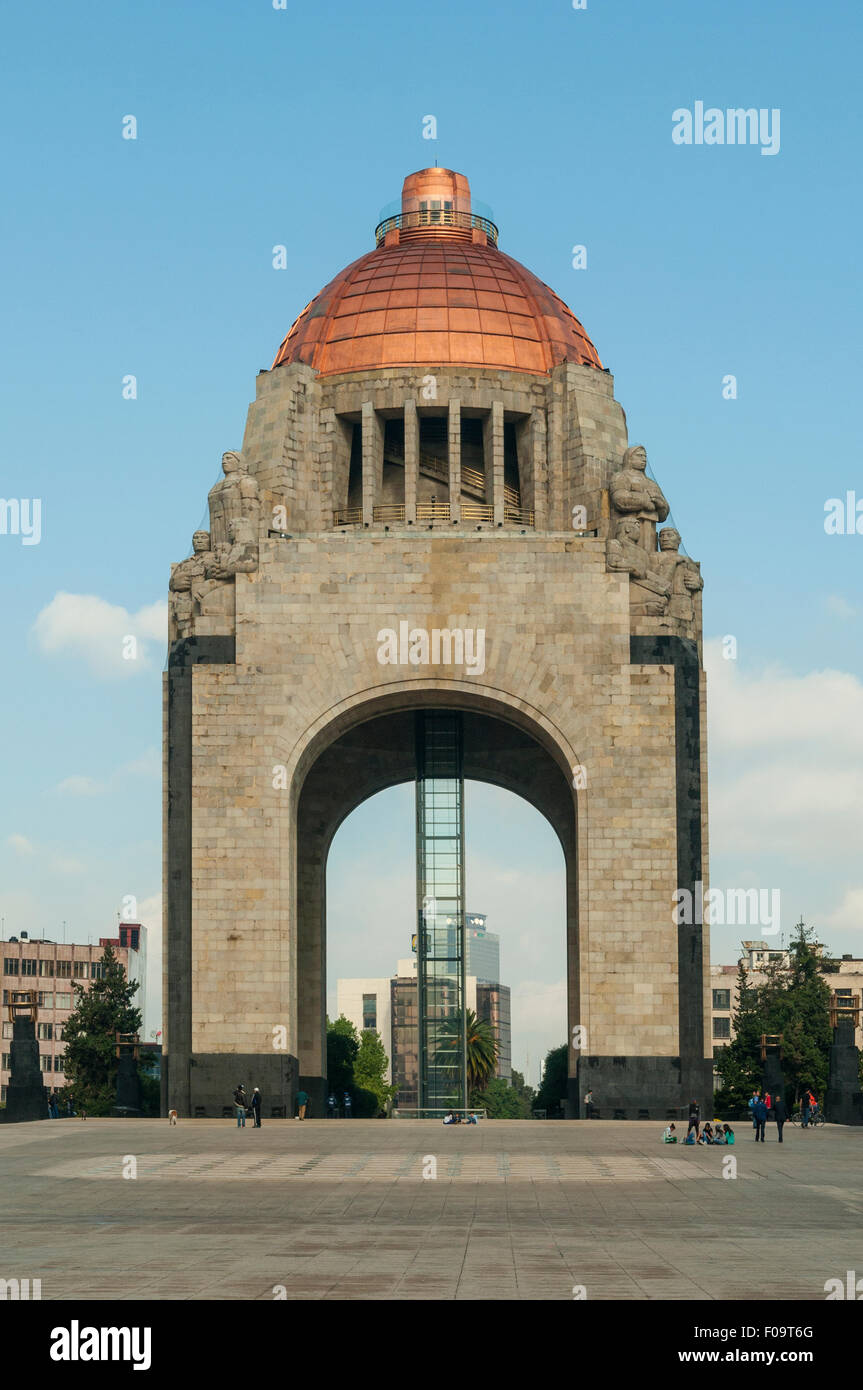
482, 1050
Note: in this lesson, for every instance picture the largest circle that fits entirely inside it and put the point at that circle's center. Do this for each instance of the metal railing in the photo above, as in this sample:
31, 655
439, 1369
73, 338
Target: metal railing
347, 516
523, 516
432, 511
433, 1114
476, 511
433, 218
389, 511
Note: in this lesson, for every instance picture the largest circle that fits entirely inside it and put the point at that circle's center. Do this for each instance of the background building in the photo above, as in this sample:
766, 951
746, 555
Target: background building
52, 970
845, 979
390, 1007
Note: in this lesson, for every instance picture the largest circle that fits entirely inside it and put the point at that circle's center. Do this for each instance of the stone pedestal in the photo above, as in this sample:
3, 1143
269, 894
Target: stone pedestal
772, 1079
26, 1096
128, 1086
844, 1102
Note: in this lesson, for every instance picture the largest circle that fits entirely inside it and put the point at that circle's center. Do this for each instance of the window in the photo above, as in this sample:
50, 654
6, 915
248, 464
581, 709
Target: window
46, 967
28, 967
97, 971
45, 1000
5, 1060
10, 967
7, 1030
722, 1028
45, 1064
843, 991
58, 1062
722, 999
370, 1011
62, 1001
81, 970
45, 1030
64, 970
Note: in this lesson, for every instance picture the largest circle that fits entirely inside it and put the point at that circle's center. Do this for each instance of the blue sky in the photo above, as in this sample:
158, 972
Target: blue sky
259, 127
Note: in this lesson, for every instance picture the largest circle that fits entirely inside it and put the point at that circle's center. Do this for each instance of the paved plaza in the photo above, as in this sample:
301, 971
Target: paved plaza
340, 1209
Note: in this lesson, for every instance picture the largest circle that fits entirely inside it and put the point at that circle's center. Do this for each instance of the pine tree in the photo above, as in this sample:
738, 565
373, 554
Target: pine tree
100, 1012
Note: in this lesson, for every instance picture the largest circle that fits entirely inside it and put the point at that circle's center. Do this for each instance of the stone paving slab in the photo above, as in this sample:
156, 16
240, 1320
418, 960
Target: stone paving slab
340, 1209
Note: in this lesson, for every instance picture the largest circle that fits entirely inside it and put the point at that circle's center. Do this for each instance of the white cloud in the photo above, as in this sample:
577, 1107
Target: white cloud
21, 844
66, 864
839, 606
80, 786
784, 761
849, 913
94, 631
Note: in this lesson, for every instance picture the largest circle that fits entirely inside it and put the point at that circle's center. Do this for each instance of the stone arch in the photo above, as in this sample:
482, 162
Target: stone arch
366, 749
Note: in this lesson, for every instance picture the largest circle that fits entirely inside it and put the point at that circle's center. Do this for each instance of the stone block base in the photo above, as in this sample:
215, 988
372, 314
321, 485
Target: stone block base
640, 1088
213, 1077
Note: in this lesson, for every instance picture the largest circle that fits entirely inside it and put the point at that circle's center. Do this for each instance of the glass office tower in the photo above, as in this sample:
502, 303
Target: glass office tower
440, 911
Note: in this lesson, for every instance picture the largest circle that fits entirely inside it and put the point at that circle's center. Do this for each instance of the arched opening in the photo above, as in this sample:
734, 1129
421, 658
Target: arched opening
516, 928
502, 748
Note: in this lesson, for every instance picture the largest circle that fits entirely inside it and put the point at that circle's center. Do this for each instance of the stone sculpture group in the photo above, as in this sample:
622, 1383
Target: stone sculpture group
662, 581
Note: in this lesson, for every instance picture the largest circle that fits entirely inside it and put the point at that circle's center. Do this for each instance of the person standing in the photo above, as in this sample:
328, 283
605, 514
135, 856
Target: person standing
256, 1107
780, 1115
753, 1102
331, 1106
302, 1102
806, 1105
348, 1105
588, 1103
240, 1104
760, 1114
694, 1120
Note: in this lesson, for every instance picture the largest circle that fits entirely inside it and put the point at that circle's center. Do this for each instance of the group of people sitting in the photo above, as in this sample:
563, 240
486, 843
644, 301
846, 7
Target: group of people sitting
716, 1133
451, 1118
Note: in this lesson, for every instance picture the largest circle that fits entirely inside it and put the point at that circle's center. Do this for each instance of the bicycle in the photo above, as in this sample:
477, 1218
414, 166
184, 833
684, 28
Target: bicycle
816, 1118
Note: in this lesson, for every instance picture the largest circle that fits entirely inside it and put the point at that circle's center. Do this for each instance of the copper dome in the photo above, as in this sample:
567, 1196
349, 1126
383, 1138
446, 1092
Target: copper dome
436, 291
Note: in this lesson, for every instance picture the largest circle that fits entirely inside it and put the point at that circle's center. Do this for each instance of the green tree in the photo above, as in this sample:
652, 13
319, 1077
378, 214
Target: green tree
739, 1064
342, 1048
482, 1049
370, 1066
794, 1000
100, 1012
553, 1086
503, 1101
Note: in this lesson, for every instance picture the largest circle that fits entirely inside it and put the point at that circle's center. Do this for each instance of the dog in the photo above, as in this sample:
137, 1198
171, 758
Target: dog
172, 1117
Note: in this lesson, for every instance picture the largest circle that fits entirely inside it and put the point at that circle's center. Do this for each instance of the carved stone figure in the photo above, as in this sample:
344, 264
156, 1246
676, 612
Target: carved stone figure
681, 573
183, 577
633, 493
234, 496
648, 590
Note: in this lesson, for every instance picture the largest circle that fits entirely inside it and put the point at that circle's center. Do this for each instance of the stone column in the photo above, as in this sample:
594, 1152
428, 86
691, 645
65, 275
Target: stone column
412, 449
492, 439
454, 456
537, 447
373, 460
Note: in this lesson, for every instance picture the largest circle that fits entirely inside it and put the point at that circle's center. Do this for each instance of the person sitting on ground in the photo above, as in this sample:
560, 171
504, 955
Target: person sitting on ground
729, 1134
669, 1135
471, 1119
449, 1118
718, 1134
706, 1135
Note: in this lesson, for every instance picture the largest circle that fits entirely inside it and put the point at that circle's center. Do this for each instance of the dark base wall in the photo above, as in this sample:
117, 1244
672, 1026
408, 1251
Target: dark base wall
640, 1088
213, 1078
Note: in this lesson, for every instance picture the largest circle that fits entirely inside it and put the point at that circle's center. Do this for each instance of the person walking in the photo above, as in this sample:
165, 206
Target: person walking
240, 1105
302, 1102
760, 1113
694, 1120
256, 1107
780, 1115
